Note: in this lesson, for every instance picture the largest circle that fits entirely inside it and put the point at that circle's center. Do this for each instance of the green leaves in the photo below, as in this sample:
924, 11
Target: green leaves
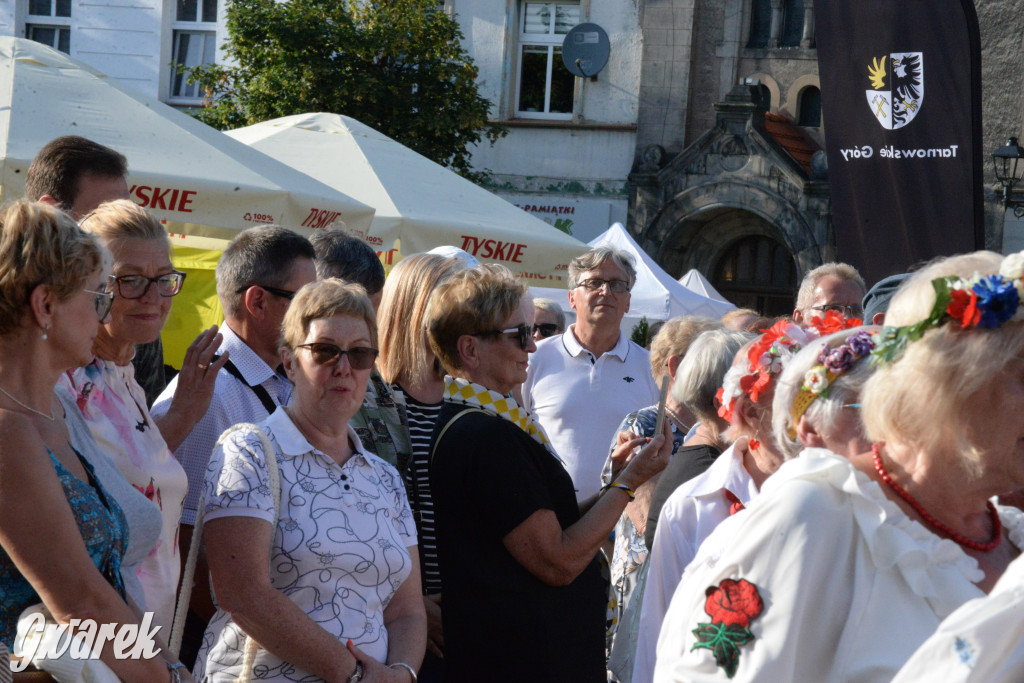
395, 65
724, 641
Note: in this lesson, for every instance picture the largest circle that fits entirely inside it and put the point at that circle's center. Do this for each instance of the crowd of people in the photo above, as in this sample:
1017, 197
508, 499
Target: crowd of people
433, 477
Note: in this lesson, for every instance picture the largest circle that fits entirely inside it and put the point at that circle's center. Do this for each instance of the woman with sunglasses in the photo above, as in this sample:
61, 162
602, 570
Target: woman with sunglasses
549, 319
341, 565
142, 282
63, 533
524, 598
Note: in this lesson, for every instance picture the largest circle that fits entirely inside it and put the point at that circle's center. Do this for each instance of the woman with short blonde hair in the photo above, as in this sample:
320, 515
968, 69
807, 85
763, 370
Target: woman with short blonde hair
340, 595
143, 282
63, 533
516, 549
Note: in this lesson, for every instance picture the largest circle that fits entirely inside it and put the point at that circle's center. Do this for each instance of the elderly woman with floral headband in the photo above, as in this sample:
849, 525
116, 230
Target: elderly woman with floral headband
817, 398
699, 505
906, 523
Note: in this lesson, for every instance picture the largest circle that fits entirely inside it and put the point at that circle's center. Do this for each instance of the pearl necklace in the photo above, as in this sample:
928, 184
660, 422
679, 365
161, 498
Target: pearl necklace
49, 416
997, 525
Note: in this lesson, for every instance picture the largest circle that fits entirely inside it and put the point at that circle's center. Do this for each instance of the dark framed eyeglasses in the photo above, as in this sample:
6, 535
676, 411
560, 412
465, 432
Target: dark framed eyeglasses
545, 330
523, 332
595, 283
136, 286
845, 310
104, 300
324, 353
283, 293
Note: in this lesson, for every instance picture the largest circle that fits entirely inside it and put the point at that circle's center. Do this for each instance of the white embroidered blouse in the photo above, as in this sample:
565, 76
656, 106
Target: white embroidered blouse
850, 585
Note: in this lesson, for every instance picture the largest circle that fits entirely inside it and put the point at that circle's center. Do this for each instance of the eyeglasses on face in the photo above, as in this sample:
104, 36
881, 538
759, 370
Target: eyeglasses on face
545, 330
595, 283
136, 286
104, 300
283, 293
845, 310
324, 353
523, 332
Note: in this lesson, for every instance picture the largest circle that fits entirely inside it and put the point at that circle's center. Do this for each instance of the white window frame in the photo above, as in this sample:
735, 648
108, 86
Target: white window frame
550, 40
208, 30
48, 21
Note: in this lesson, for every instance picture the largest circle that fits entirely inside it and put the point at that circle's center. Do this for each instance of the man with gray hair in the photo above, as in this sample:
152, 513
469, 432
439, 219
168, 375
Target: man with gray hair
257, 276
830, 287
580, 384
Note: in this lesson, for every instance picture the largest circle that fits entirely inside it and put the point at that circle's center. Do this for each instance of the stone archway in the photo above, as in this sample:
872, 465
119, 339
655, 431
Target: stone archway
743, 254
698, 224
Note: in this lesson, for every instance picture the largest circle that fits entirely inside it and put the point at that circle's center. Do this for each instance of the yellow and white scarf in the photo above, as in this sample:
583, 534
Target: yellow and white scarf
468, 393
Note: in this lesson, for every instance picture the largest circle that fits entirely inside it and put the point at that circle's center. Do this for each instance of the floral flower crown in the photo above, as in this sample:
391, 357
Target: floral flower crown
769, 354
833, 362
979, 301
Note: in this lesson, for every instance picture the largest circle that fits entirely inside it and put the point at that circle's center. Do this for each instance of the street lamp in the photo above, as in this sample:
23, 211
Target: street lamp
1007, 160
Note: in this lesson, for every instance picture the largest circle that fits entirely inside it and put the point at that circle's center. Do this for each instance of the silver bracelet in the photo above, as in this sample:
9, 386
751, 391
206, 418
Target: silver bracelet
403, 665
357, 675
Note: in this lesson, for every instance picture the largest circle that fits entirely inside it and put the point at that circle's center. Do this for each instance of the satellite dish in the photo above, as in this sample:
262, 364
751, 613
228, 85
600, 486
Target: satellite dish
585, 50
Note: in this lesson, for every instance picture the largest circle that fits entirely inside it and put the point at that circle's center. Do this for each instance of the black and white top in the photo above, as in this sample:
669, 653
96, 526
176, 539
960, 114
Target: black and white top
340, 551
422, 419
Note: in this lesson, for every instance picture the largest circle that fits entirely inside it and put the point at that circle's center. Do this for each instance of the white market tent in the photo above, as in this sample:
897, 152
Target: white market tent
196, 179
695, 281
418, 202
203, 185
655, 295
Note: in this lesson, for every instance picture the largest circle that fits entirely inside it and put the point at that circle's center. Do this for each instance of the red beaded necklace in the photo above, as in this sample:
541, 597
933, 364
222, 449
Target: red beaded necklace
997, 526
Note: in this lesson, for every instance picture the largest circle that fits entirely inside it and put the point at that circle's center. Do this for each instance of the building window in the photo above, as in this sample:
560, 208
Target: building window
760, 23
792, 22
544, 89
49, 22
194, 44
809, 107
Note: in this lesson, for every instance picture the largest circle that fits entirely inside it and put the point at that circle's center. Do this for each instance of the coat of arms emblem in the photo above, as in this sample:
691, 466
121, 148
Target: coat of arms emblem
897, 93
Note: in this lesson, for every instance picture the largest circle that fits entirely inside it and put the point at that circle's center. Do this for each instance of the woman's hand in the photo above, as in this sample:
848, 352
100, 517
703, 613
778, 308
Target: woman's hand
194, 389
627, 445
650, 460
435, 634
376, 672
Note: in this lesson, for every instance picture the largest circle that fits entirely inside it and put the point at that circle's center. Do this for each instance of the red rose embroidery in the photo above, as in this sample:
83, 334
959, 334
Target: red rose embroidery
732, 605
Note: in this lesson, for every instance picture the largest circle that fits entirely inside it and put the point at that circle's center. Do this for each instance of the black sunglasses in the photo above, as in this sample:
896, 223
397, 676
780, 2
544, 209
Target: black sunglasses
323, 353
523, 332
283, 293
546, 329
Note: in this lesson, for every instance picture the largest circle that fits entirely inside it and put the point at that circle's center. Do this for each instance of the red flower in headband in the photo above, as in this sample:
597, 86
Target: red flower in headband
963, 305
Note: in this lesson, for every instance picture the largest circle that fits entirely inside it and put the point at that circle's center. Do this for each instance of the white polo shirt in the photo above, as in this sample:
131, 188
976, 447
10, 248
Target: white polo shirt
580, 400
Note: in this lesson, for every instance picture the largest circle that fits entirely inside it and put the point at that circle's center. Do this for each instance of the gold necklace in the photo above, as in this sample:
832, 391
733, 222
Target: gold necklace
49, 417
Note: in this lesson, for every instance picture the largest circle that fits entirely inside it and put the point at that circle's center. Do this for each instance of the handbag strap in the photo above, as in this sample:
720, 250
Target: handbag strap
444, 429
185, 594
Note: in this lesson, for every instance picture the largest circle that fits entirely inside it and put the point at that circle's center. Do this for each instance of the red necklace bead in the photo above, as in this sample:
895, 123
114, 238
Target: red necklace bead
997, 525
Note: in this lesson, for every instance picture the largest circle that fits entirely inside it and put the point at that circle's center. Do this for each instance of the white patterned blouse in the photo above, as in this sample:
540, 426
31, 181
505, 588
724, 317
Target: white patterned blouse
340, 551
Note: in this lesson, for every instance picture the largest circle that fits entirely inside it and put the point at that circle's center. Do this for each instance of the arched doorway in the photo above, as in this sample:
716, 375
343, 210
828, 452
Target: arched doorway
757, 272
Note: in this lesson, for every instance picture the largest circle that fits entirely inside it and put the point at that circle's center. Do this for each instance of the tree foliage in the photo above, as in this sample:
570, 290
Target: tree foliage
395, 65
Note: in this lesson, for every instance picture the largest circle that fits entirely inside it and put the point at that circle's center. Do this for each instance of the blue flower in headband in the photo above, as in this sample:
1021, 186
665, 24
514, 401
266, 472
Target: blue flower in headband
997, 300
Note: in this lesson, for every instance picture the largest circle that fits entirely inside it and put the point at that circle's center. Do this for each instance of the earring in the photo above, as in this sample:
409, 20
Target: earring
754, 443
45, 330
